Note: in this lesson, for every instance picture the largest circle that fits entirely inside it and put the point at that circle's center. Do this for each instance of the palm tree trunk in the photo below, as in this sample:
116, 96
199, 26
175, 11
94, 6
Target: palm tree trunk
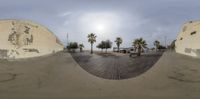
81, 49
156, 48
139, 51
118, 49
91, 48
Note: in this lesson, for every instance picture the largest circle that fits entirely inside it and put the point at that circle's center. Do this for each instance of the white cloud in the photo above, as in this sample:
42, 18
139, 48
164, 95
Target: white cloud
64, 14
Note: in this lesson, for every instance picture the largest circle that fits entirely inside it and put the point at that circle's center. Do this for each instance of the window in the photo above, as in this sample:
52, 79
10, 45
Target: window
193, 33
181, 38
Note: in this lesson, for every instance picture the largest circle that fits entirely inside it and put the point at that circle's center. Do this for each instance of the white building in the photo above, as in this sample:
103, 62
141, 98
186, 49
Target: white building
188, 40
23, 39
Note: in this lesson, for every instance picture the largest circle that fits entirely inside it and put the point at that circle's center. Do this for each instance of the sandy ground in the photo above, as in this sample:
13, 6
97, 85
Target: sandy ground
58, 76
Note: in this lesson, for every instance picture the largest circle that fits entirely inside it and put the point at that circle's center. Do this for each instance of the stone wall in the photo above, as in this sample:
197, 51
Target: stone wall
23, 39
188, 40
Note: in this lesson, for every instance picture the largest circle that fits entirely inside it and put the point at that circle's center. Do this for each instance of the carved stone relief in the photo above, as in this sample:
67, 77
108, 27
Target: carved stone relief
20, 35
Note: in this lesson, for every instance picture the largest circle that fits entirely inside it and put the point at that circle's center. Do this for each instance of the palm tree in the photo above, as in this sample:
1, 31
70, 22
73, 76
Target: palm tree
81, 46
92, 40
139, 44
156, 44
118, 41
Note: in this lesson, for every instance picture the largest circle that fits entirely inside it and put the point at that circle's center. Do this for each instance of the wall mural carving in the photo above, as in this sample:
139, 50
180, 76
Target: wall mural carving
20, 35
13, 37
23, 39
28, 38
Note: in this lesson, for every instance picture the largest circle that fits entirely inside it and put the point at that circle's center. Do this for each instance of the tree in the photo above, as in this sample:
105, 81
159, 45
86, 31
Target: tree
101, 45
108, 44
81, 46
73, 46
105, 45
118, 41
161, 47
156, 44
91, 40
139, 44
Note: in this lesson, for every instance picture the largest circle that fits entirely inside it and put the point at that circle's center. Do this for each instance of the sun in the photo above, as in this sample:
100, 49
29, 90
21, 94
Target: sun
100, 27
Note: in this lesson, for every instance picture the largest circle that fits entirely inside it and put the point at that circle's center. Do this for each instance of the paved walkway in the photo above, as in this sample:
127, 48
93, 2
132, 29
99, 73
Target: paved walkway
114, 65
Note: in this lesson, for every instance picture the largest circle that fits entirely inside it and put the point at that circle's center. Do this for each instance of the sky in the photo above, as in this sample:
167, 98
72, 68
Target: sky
129, 19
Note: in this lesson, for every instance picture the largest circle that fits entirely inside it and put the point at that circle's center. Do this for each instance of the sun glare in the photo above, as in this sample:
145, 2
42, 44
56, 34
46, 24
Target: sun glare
100, 23
100, 27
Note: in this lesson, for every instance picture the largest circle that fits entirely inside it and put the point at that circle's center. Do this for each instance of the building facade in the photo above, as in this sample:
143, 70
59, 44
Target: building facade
24, 39
188, 40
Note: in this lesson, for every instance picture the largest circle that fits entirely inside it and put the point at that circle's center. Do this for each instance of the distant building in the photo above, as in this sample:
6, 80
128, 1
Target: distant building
188, 40
123, 50
23, 39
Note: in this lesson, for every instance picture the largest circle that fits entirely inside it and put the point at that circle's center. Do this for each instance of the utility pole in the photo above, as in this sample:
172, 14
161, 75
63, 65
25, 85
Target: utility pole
67, 39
